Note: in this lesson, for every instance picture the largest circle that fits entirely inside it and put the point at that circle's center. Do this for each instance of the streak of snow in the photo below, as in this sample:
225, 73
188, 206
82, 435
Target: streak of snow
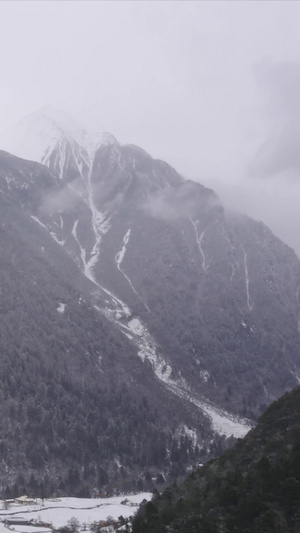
115, 309
118, 260
120, 255
296, 376
78, 161
82, 250
250, 304
53, 235
223, 422
100, 222
61, 242
100, 225
61, 156
39, 222
199, 242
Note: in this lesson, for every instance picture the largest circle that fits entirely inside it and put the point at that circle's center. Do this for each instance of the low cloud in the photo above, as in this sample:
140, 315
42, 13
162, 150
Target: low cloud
64, 200
272, 201
184, 201
279, 153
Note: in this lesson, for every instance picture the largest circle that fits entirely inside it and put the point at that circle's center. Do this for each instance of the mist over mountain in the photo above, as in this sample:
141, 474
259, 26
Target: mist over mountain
190, 313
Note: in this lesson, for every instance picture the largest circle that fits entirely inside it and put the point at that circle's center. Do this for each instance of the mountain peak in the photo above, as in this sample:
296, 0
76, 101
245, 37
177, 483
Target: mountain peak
38, 134
57, 122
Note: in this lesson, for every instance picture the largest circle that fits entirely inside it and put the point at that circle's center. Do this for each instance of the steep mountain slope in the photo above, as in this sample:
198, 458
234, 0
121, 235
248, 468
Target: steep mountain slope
209, 298
78, 410
159, 318
253, 487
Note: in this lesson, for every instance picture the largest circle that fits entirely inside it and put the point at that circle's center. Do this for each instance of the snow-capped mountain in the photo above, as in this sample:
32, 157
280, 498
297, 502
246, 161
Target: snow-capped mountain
40, 132
78, 410
208, 301
48, 133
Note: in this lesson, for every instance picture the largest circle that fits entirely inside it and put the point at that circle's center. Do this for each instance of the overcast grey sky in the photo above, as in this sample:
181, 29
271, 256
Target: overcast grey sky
211, 87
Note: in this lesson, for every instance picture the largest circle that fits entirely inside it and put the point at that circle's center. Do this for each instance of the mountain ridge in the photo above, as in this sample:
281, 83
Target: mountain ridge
123, 186
205, 302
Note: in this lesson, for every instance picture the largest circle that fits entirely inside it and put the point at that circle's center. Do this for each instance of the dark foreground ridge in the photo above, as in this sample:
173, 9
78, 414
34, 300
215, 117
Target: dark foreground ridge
253, 487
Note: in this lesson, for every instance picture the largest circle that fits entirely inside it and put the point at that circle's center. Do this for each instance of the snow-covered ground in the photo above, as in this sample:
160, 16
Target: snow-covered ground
58, 511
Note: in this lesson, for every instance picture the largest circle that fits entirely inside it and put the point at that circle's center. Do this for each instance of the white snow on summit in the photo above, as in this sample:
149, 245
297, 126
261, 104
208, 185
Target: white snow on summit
37, 134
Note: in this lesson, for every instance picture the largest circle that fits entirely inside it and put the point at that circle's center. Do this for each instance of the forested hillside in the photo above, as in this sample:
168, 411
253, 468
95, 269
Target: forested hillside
78, 411
252, 488
142, 324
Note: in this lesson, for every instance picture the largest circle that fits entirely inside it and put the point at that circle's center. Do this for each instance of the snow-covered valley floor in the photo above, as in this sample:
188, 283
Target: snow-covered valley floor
57, 511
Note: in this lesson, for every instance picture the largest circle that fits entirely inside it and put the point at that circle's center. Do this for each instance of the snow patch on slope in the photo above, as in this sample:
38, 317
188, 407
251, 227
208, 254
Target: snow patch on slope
136, 327
120, 255
81, 249
61, 308
199, 240
250, 303
223, 422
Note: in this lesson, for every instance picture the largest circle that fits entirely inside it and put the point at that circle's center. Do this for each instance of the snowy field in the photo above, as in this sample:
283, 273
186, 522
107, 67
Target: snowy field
58, 511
